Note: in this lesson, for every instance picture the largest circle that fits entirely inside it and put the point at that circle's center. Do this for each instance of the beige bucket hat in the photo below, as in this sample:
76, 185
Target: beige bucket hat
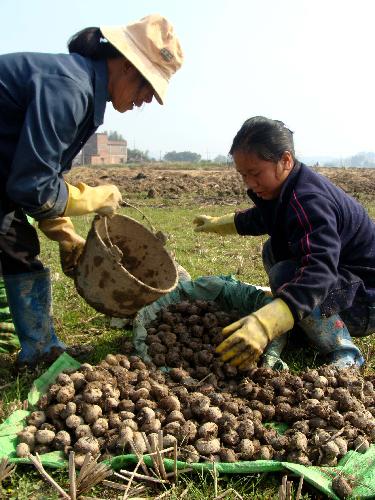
151, 46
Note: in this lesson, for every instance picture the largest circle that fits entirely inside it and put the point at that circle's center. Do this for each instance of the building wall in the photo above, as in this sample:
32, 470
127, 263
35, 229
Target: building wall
99, 150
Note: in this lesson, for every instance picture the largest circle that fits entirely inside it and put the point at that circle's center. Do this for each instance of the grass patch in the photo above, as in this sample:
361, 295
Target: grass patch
77, 323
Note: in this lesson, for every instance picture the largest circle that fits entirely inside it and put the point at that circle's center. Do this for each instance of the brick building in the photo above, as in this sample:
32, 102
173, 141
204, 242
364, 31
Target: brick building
100, 150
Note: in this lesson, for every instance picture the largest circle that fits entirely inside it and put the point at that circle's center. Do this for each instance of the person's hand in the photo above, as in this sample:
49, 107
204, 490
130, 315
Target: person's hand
220, 225
71, 244
248, 337
84, 199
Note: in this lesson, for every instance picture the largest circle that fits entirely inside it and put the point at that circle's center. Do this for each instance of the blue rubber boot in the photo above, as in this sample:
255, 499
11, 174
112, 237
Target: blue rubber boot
30, 303
271, 357
331, 338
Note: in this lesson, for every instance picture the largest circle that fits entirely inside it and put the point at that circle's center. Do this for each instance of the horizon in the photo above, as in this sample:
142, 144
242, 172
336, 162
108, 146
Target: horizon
309, 65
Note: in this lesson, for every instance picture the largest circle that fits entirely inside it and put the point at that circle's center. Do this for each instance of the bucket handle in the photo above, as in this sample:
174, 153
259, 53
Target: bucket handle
114, 249
159, 234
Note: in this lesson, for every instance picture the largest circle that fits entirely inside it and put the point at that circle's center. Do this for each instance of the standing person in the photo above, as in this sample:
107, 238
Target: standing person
49, 106
320, 257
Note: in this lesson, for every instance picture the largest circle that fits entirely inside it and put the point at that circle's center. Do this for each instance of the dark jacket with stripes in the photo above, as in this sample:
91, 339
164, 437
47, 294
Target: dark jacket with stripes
326, 232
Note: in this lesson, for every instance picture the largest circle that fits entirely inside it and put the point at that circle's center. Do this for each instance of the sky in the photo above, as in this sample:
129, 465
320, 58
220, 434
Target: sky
309, 63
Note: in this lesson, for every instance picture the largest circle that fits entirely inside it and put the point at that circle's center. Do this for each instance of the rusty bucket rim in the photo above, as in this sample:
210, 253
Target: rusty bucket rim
99, 218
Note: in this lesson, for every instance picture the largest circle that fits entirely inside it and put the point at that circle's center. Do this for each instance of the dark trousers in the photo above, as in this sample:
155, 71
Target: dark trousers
359, 318
19, 247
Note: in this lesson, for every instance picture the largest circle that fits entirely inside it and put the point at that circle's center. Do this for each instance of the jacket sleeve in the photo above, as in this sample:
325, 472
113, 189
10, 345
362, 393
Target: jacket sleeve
250, 222
55, 109
313, 223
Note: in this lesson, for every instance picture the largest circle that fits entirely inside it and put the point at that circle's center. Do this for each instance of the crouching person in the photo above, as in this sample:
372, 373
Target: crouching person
320, 257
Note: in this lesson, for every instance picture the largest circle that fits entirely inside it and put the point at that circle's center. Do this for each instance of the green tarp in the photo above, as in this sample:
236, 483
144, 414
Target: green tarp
225, 290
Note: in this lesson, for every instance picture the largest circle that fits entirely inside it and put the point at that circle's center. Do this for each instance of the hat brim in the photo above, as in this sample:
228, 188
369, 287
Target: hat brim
118, 37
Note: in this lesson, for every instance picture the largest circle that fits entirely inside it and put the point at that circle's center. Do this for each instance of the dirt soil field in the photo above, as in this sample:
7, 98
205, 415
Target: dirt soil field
220, 185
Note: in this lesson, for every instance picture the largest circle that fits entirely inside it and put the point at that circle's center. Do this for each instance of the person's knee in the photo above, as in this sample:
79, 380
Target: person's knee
281, 273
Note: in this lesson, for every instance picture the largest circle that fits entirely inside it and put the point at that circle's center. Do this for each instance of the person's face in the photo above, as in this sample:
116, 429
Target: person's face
127, 87
264, 178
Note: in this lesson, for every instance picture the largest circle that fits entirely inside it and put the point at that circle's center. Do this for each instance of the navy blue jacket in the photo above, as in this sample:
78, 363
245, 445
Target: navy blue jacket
326, 232
49, 106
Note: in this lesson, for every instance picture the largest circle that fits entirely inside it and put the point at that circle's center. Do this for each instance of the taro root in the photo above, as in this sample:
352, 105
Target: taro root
82, 430
188, 432
110, 404
44, 436
220, 418
245, 429
342, 486
62, 440
36, 418
211, 414
22, 450
342, 446
265, 453
173, 428
78, 380
227, 422
331, 450
208, 430
128, 422
65, 394
170, 403
92, 394
207, 446
175, 416
152, 426
298, 441
361, 444
70, 409
27, 437
246, 449
227, 455
100, 427
73, 421
91, 413
230, 438
126, 405
298, 457
189, 454
86, 445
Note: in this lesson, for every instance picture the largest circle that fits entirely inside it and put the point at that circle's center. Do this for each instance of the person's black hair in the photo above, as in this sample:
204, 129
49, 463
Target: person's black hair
267, 138
90, 42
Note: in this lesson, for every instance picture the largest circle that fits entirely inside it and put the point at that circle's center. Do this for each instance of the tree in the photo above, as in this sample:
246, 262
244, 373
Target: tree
221, 159
187, 156
137, 156
113, 135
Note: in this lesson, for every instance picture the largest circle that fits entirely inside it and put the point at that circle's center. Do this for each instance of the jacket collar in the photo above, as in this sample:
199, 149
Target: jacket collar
101, 90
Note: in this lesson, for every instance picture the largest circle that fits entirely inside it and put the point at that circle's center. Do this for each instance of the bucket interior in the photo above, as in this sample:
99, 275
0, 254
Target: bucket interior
144, 256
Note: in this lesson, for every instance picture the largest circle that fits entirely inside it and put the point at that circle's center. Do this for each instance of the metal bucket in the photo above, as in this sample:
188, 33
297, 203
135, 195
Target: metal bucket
123, 267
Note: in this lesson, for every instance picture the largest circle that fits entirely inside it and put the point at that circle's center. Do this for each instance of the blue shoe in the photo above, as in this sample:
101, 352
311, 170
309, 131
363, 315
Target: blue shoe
331, 338
271, 357
30, 303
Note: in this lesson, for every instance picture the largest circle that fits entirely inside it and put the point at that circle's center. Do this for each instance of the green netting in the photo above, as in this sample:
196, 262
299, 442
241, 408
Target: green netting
8, 339
224, 290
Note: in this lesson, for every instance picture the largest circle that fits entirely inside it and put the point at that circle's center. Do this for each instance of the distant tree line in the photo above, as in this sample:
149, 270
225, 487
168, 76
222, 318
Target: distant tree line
358, 160
138, 156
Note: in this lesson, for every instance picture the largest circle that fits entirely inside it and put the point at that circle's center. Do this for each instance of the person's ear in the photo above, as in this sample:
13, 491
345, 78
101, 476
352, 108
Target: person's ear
287, 161
284, 165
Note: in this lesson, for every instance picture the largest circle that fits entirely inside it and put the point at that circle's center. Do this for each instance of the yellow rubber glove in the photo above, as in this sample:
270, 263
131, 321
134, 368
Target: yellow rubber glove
250, 335
84, 199
70, 243
220, 225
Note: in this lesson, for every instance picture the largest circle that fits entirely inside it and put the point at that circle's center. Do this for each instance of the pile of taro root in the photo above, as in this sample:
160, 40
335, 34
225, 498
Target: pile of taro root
213, 412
